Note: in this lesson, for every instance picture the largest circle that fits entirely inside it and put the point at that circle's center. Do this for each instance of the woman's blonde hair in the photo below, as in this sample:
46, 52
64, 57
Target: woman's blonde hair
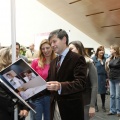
117, 49
5, 57
41, 56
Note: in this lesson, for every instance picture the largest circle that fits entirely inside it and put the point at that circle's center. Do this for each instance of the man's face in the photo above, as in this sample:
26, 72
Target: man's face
17, 50
9, 76
57, 44
29, 76
31, 47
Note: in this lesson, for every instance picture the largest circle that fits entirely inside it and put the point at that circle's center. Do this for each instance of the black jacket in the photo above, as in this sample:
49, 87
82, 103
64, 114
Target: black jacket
7, 104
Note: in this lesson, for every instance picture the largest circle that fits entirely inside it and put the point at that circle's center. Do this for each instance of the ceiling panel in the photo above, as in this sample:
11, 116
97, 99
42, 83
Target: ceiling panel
99, 19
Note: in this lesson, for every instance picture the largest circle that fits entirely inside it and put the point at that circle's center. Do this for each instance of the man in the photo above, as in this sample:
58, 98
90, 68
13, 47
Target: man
67, 81
18, 53
14, 81
31, 53
29, 75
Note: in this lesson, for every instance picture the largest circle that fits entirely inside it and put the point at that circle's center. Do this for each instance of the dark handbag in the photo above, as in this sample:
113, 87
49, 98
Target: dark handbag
107, 87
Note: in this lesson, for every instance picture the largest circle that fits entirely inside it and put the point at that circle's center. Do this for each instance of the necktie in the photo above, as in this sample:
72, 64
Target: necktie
32, 52
58, 62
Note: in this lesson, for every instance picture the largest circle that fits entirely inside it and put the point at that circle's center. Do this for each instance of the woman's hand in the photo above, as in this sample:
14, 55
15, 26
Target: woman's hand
23, 113
91, 112
108, 60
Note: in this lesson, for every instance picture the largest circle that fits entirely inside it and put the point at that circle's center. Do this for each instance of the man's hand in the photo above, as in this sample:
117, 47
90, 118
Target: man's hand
23, 113
53, 85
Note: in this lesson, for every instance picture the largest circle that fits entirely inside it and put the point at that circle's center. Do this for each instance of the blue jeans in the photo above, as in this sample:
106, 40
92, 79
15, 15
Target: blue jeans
42, 107
115, 96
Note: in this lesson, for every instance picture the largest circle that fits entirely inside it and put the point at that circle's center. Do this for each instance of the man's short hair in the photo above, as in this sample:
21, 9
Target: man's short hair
18, 44
60, 33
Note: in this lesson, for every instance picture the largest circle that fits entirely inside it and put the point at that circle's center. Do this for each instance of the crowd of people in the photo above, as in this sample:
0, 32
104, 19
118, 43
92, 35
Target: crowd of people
73, 79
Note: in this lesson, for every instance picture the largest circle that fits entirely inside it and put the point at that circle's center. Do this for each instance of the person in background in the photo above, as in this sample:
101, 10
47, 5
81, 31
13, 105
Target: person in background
31, 53
41, 65
90, 92
6, 100
113, 67
18, 55
99, 61
66, 79
93, 54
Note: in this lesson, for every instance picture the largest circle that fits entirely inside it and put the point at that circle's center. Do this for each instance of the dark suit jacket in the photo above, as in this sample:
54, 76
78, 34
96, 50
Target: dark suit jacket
72, 76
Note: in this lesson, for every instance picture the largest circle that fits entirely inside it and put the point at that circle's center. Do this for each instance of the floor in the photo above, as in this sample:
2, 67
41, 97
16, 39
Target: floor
101, 115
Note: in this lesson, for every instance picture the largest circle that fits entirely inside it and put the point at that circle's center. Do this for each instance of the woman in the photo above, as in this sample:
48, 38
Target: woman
90, 93
6, 102
113, 68
99, 61
41, 66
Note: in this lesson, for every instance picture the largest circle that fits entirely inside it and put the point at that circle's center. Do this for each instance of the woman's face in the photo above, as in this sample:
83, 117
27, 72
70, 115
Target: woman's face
46, 50
73, 48
112, 51
101, 52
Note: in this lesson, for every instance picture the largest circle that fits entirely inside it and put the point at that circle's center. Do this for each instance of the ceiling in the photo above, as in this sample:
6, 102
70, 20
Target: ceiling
99, 19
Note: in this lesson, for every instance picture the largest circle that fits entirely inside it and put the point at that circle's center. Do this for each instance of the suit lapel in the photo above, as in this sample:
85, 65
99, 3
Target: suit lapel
54, 68
64, 64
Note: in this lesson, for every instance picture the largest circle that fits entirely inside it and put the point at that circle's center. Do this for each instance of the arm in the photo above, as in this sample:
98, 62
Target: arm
94, 86
23, 113
74, 78
94, 83
107, 65
7, 103
78, 82
23, 110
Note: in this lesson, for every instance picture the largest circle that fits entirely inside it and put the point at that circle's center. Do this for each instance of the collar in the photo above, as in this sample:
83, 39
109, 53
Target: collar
64, 53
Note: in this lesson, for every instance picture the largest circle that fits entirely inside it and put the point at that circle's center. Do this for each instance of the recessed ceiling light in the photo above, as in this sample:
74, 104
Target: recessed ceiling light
94, 14
74, 1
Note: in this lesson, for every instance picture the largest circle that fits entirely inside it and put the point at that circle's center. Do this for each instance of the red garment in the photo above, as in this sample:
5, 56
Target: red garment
43, 72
